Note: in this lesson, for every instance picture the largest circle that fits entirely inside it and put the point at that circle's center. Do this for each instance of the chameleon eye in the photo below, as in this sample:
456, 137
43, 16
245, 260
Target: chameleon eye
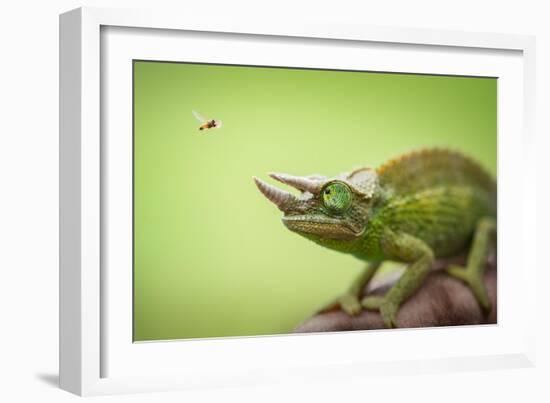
337, 197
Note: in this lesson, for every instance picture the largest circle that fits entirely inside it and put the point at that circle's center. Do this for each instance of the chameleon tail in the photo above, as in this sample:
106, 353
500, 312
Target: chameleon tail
472, 274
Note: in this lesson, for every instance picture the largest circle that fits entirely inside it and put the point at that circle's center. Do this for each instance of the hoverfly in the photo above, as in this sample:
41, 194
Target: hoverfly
207, 123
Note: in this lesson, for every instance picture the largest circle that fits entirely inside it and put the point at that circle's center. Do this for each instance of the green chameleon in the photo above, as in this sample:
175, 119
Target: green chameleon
421, 206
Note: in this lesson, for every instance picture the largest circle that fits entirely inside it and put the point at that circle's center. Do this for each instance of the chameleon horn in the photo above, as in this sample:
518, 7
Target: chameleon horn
279, 197
300, 183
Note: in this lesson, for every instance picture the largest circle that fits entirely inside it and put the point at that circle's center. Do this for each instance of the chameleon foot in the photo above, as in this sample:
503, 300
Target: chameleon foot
350, 304
372, 303
472, 274
475, 282
388, 309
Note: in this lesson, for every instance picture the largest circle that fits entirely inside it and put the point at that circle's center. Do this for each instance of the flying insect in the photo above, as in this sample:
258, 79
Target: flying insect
207, 124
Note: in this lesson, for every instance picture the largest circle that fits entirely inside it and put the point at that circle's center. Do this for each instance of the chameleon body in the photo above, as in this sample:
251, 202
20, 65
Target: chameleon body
420, 206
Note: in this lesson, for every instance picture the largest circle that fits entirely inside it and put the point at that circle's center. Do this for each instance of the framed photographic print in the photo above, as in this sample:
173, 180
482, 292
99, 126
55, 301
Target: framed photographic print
244, 201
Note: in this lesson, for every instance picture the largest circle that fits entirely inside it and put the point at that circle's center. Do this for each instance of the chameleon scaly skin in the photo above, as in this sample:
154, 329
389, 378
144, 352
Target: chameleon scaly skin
415, 208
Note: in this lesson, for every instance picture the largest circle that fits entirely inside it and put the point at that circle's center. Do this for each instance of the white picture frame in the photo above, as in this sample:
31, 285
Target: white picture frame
96, 354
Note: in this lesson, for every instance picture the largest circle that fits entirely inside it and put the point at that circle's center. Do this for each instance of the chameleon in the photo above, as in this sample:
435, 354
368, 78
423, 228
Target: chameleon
421, 206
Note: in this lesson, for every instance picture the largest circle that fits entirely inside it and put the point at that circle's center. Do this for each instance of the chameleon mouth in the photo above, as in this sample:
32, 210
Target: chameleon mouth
332, 228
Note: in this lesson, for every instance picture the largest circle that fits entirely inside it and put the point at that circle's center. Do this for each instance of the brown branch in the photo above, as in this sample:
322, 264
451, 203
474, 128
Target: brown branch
441, 301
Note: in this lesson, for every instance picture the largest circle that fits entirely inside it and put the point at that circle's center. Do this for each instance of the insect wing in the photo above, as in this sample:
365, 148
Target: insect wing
198, 116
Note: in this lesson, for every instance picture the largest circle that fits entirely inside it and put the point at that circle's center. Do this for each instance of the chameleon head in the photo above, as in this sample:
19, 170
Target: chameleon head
327, 209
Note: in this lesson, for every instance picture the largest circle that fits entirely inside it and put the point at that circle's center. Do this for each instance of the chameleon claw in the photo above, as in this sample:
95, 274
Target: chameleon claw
388, 311
350, 304
372, 303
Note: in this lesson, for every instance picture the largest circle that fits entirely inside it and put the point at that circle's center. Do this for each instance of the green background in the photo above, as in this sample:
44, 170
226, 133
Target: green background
211, 256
